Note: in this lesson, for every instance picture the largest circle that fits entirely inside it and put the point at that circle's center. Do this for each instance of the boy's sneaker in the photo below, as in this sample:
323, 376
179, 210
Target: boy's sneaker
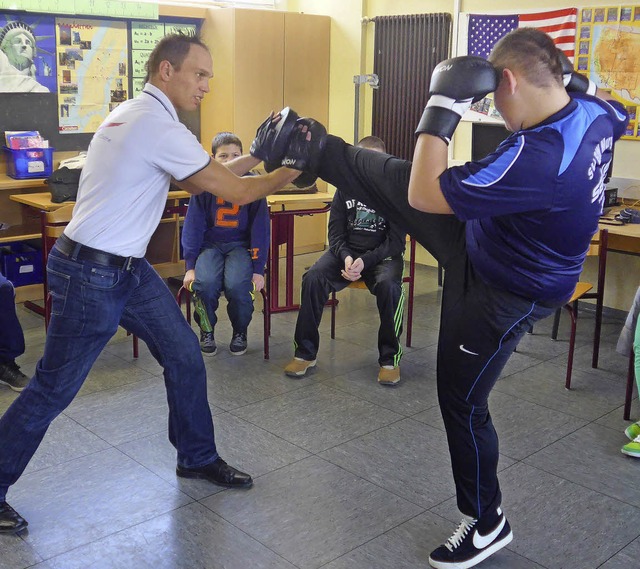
632, 448
238, 345
11, 375
468, 546
632, 431
389, 375
208, 344
298, 367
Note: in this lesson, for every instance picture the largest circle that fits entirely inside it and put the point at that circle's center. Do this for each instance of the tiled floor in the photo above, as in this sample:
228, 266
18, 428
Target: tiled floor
348, 474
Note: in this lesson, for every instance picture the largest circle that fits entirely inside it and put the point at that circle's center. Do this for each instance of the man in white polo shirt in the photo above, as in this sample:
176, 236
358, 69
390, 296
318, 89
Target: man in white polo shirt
98, 278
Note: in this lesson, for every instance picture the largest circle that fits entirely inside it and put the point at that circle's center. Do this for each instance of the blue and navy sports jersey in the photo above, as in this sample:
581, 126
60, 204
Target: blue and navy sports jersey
533, 205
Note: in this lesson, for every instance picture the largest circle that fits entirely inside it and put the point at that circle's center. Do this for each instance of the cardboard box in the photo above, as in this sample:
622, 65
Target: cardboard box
22, 264
29, 162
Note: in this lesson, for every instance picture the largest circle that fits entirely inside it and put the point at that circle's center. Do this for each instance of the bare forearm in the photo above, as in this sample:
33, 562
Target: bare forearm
242, 164
218, 180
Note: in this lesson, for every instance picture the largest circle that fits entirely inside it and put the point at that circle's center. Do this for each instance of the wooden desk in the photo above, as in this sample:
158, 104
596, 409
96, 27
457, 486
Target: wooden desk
282, 210
164, 254
622, 238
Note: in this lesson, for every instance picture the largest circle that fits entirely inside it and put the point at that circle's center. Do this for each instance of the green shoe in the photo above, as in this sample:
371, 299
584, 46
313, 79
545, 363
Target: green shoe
632, 448
632, 431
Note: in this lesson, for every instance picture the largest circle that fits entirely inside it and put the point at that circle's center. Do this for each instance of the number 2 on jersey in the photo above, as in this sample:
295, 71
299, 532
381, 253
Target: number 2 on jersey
226, 216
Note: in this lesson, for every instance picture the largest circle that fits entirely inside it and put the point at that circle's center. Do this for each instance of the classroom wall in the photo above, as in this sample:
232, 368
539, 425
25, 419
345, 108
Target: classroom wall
352, 54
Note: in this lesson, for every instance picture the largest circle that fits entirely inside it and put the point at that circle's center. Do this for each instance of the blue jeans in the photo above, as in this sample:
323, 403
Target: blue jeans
89, 300
11, 336
228, 267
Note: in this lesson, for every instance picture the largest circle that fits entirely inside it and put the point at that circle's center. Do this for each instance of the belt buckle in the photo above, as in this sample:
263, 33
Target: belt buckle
129, 264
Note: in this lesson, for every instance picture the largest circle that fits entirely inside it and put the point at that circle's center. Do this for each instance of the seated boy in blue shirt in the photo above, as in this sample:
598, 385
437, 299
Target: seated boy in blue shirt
225, 248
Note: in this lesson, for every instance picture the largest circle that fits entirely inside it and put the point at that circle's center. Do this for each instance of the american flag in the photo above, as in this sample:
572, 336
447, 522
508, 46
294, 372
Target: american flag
485, 30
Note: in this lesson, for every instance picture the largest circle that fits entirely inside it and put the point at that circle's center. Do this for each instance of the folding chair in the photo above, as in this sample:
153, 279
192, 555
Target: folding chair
584, 291
185, 294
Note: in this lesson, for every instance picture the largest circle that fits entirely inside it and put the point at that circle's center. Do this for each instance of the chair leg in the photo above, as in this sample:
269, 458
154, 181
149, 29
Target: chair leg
135, 346
628, 395
333, 315
556, 324
267, 322
572, 344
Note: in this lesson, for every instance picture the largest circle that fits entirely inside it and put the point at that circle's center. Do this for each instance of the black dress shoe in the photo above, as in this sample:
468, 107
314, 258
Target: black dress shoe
218, 472
10, 520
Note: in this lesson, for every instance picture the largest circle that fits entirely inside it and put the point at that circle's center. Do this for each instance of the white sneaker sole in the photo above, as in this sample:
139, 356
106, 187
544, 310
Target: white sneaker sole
210, 354
495, 546
238, 353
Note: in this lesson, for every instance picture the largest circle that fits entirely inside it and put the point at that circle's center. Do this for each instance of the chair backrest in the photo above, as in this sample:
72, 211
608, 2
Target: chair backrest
54, 223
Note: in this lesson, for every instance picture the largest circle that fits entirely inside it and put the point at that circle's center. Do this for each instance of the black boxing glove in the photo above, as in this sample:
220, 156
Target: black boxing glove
455, 84
304, 180
272, 137
305, 146
574, 81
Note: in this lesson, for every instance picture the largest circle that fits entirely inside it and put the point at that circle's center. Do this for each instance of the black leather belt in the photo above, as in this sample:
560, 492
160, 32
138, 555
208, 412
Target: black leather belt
75, 250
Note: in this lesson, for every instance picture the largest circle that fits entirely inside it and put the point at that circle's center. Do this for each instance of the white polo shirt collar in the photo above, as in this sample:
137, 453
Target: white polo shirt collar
152, 91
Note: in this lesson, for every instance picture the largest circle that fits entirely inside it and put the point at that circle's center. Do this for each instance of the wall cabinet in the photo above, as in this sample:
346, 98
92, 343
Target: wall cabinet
265, 60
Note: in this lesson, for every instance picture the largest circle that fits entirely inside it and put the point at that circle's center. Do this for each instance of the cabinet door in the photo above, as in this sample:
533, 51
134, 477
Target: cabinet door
306, 64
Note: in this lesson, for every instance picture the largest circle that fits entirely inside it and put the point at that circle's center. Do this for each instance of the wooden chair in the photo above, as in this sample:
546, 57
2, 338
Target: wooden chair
410, 278
584, 290
53, 224
185, 294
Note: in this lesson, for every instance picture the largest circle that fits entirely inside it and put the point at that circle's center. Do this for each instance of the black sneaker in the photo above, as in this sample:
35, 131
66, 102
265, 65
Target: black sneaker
238, 345
468, 546
208, 344
11, 375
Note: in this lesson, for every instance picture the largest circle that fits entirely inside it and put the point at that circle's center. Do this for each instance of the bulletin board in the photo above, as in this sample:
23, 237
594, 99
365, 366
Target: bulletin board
81, 68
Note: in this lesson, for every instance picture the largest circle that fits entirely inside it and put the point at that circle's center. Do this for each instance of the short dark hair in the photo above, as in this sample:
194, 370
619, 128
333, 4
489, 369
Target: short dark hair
222, 139
532, 53
372, 142
173, 48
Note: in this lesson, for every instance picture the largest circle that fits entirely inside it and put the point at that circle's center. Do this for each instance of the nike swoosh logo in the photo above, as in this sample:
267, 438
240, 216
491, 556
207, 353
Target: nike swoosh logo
463, 349
481, 541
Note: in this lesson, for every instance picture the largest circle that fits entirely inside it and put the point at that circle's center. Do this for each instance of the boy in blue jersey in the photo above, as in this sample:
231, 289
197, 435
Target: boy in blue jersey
511, 231
225, 248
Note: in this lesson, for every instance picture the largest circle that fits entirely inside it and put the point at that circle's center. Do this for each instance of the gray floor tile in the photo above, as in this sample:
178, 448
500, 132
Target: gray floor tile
407, 458
590, 396
124, 413
591, 457
524, 427
111, 371
65, 440
312, 511
317, 417
408, 546
187, 538
415, 392
241, 444
238, 381
88, 498
15, 553
626, 559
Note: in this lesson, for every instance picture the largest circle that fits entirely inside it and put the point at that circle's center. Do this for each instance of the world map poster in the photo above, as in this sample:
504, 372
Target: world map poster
92, 57
607, 50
